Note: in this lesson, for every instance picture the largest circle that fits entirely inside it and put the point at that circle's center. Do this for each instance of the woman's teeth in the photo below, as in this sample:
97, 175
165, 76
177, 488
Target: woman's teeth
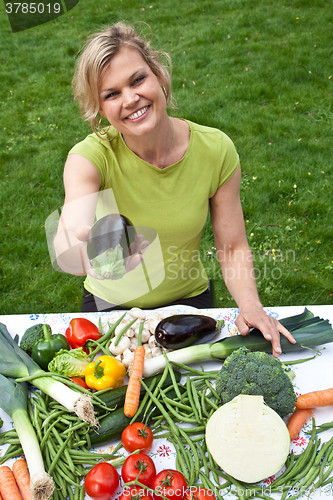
137, 114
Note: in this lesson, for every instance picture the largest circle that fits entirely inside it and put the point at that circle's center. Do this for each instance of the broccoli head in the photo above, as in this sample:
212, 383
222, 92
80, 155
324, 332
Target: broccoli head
1, 423
31, 336
256, 373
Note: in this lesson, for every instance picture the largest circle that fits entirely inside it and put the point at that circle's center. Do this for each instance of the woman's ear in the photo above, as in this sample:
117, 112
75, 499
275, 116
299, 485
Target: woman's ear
101, 112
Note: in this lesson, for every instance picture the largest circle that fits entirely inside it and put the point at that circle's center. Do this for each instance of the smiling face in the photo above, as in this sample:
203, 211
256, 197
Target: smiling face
131, 97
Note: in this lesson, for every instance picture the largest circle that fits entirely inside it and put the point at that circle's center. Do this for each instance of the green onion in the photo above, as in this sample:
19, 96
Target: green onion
308, 331
14, 401
16, 363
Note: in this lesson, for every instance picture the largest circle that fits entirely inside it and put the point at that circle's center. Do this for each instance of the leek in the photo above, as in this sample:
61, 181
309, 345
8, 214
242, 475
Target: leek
308, 330
14, 401
16, 363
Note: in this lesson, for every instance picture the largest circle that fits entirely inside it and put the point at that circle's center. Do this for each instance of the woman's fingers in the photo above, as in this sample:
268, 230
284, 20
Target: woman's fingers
83, 233
269, 327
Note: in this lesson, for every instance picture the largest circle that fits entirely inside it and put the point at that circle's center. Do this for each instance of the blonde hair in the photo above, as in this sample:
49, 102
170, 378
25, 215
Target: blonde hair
94, 61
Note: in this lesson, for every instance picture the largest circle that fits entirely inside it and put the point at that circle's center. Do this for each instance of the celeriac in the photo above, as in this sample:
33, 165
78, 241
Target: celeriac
247, 439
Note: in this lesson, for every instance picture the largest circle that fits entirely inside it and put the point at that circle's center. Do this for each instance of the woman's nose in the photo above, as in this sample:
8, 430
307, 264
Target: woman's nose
130, 97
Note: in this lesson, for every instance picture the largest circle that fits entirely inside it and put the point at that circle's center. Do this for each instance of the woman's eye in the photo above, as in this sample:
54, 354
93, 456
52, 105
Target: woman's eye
109, 96
139, 79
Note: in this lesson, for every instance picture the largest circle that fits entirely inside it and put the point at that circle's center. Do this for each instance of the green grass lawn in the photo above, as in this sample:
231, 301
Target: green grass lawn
259, 70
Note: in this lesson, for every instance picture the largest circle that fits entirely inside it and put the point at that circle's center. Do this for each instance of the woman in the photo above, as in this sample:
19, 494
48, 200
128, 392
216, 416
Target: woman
160, 172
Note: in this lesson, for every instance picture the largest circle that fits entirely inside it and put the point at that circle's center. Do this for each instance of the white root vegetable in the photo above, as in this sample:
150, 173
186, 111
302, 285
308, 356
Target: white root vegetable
129, 339
124, 343
130, 333
145, 335
133, 344
156, 351
247, 439
127, 358
152, 341
119, 328
152, 324
135, 312
148, 353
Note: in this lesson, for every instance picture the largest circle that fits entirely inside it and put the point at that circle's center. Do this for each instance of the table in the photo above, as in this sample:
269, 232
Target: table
316, 374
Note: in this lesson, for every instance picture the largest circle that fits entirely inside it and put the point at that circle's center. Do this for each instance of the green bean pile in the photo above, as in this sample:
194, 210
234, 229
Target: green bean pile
184, 409
183, 422
64, 443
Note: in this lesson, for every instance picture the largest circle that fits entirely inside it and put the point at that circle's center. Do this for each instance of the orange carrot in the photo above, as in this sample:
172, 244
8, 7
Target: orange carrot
315, 399
132, 397
297, 420
8, 486
22, 477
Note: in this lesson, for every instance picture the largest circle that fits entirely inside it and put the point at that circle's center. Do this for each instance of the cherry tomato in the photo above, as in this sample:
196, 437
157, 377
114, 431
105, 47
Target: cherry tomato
102, 481
137, 436
198, 493
136, 464
79, 381
135, 493
170, 483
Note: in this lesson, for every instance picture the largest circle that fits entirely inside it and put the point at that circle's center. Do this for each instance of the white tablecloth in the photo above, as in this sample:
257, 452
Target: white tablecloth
313, 375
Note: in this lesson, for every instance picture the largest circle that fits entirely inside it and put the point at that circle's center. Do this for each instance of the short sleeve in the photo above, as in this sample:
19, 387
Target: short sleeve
93, 150
229, 159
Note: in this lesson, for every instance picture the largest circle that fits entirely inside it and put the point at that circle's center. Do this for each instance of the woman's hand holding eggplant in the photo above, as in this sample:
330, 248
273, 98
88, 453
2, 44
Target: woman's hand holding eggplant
138, 248
83, 235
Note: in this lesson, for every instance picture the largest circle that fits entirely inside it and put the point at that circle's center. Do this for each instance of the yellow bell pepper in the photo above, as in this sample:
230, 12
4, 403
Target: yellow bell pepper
104, 373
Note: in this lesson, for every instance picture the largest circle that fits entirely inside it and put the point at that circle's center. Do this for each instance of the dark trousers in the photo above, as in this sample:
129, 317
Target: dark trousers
90, 303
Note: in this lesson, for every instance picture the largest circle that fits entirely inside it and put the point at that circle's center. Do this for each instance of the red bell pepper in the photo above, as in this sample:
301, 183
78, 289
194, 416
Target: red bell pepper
81, 330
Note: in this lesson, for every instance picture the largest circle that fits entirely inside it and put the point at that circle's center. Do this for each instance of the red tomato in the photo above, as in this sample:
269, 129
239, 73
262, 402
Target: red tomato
137, 436
135, 493
136, 464
198, 493
170, 483
79, 381
102, 481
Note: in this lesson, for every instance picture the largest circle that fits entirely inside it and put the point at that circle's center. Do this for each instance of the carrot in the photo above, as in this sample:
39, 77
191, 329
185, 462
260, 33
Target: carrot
297, 420
22, 477
8, 486
315, 399
132, 397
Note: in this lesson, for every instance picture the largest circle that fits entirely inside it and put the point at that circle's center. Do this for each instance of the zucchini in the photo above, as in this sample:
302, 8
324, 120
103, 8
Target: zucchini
114, 398
110, 427
112, 424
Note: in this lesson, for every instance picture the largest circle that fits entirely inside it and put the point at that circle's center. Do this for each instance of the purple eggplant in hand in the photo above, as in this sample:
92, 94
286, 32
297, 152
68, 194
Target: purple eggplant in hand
183, 330
110, 245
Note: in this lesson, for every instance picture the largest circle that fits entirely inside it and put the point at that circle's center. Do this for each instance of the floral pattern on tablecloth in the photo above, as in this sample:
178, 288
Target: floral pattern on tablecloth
163, 451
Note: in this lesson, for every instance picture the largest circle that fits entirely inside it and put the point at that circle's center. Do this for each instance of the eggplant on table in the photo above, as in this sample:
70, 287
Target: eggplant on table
110, 245
183, 330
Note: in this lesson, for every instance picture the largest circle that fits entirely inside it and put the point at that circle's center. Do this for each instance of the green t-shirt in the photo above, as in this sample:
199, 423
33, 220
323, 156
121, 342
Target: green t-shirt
173, 201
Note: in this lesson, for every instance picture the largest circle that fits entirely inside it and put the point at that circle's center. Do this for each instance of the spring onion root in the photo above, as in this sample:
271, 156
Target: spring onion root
42, 486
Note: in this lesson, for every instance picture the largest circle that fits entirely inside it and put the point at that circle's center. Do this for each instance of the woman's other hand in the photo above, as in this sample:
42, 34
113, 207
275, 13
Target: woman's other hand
255, 317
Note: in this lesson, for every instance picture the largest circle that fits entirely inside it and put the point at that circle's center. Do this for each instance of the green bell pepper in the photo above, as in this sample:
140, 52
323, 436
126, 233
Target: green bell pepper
44, 350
